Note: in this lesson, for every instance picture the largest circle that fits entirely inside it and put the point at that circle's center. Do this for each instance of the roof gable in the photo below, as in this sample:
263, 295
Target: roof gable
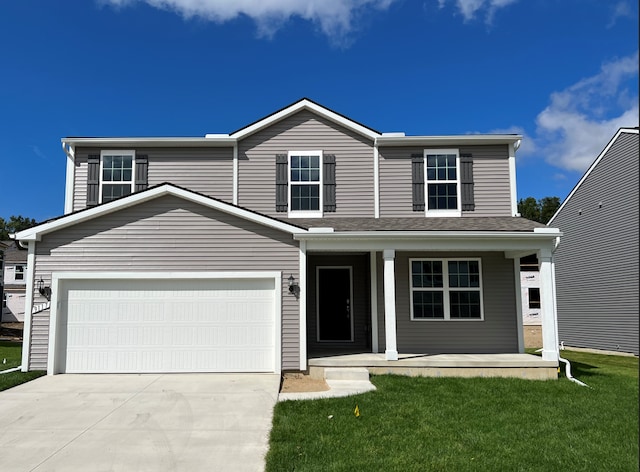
35, 233
305, 104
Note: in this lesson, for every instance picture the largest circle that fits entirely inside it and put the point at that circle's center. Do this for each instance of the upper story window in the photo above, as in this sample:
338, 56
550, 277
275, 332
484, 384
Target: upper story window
305, 183
442, 182
116, 179
19, 274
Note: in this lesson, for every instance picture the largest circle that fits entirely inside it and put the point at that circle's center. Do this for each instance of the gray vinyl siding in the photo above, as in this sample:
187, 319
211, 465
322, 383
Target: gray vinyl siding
169, 234
490, 174
360, 305
497, 333
307, 131
205, 170
597, 260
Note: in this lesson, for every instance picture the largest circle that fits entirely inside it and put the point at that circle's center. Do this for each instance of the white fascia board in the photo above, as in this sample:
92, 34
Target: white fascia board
459, 140
217, 141
35, 233
591, 167
431, 241
58, 276
305, 105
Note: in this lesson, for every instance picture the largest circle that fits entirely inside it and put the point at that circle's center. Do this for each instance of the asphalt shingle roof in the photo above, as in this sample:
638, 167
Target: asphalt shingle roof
497, 224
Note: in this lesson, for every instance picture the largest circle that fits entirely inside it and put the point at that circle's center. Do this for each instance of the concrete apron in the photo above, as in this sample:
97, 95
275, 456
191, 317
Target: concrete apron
130, 422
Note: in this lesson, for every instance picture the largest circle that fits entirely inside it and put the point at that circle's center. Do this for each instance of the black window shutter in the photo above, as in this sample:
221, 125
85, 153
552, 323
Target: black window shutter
329, 182
93, 179
282, 182
142, 172
466, 182
417, 181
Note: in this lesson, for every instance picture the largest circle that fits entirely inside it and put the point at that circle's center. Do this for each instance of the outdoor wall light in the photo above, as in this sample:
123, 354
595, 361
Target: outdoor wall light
293, 286
45, 291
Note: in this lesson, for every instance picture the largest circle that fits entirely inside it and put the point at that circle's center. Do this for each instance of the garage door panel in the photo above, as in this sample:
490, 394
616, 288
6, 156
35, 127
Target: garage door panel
175, 326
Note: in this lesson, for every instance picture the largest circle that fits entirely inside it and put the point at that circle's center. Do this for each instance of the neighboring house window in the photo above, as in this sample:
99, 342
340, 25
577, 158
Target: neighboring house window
534, 297
19, 275
446, 289
442, 182
305, 183
116, 179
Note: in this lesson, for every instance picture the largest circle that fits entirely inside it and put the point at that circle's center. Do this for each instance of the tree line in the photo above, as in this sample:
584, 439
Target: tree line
538, 210
14, 224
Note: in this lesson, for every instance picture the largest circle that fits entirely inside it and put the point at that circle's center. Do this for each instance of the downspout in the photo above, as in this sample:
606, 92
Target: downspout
567, 365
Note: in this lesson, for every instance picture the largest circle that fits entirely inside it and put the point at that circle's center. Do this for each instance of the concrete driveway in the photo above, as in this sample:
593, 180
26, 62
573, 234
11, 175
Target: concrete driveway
148, 422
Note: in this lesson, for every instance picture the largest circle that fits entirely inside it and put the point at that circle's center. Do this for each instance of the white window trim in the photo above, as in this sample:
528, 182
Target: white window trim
442, 213
445, 289
112, 152
304, 213
21, 272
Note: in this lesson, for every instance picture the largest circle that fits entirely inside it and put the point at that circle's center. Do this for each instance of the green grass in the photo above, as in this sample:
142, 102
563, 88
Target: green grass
12, 352
448, 424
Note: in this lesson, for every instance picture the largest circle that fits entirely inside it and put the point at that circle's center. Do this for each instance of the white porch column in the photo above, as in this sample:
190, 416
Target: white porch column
373, 277
516, 273
391, 351
548, 306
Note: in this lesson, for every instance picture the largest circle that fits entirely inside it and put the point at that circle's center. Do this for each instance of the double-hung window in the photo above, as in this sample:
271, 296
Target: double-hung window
442, 183
305, 183
19, 274
116, 177
446, 289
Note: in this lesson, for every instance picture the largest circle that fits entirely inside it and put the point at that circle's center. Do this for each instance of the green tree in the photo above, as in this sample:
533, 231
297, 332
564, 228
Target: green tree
538, 210
15, 223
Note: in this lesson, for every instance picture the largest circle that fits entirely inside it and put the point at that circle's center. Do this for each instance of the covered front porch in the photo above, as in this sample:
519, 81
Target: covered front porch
382, 329
524, 366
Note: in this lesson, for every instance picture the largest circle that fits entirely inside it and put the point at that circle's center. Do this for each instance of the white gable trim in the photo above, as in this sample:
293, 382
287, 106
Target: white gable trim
36, 233
305, 104
591, 167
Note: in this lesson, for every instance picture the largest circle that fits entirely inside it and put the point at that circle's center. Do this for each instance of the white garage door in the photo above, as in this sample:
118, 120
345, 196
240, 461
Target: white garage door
168, 325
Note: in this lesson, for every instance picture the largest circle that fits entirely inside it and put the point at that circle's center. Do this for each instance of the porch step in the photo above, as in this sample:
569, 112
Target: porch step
346, 373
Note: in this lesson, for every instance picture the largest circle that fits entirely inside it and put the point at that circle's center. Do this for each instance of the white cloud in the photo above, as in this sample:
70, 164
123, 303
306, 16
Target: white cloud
581, 119
528, 146
469, 8
622, 9
334, 17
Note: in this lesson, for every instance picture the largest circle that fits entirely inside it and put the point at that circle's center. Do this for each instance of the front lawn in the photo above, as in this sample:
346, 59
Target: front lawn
448, 424
11, 356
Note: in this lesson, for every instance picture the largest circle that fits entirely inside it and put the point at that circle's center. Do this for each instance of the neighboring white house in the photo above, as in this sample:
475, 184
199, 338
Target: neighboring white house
14, 283
530, 291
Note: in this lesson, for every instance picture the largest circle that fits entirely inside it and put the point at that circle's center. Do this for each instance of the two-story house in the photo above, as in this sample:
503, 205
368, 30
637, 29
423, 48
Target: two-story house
13, 265
302, 234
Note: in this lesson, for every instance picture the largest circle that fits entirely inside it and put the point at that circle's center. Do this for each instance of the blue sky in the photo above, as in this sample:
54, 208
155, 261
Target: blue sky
563, 73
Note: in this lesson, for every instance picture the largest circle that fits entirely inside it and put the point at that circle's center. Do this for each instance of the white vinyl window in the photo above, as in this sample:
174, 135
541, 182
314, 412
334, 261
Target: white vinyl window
116, 174
305, 183
446, 289
19, 274
442, 182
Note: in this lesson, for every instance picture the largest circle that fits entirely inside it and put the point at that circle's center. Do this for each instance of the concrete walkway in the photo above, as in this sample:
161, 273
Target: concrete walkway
155, 423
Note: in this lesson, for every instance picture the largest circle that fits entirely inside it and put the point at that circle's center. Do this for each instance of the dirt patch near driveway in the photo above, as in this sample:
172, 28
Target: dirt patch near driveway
297, 382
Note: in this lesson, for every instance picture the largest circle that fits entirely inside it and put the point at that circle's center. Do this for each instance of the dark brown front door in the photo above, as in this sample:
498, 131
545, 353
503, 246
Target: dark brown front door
335, 320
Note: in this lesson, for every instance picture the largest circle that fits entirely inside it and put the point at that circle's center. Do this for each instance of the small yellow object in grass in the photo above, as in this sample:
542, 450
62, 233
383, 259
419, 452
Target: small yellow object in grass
357, 412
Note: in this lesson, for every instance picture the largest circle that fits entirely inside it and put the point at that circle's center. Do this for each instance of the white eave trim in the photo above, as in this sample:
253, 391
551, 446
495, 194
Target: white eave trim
455, 140
36, 233
536, 234
214, 141
591, 167
305, 105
